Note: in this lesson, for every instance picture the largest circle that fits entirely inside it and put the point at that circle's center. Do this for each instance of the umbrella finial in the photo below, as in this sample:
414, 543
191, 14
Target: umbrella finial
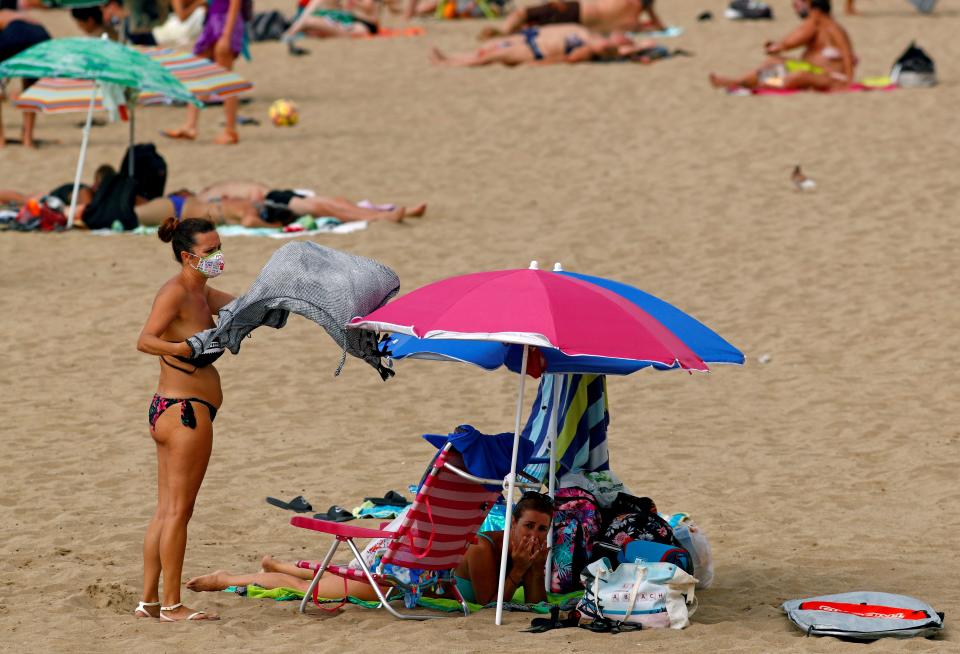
557, 267
534, 265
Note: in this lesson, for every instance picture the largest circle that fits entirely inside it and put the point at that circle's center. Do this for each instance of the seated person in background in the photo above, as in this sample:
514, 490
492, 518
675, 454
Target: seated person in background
90, 21
550, 44
19, 32
303, 202
601, 16
108, 19
827, 62
477, 576
331, 18
452, 8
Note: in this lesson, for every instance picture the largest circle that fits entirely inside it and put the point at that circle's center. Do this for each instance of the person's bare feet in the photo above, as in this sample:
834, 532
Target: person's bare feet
417, 211
437, 57
181, 133
395, 216
182, 613
211, 582
718, 82
227, 137
267, 564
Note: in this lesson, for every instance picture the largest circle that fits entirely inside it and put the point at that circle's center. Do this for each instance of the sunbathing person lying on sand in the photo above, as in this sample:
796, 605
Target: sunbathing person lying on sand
601, 16
64, 192
477, 575
827, 61
303, 202
551, 44
324, 19
254, 205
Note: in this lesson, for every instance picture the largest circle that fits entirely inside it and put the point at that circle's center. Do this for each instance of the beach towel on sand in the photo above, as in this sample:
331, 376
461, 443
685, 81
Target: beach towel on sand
853, 88
565, 602
319, 226
327, 286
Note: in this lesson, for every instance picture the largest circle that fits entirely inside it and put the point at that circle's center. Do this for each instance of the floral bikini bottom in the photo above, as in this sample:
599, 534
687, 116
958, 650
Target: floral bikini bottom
187, 416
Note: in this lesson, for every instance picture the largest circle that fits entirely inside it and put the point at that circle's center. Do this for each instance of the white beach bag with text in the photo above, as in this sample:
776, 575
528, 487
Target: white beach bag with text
652, 595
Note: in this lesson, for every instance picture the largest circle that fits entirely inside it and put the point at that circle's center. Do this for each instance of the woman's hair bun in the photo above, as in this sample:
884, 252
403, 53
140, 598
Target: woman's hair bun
167, 228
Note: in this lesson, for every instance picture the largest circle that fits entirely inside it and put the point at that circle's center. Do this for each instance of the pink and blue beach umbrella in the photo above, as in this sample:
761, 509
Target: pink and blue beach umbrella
709, 346
489, 318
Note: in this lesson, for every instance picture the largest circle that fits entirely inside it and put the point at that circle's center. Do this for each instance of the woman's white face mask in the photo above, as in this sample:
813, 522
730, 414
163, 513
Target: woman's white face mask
210, 265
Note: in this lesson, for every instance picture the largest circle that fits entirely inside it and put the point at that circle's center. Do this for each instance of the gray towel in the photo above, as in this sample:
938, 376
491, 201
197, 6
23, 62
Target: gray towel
319, 283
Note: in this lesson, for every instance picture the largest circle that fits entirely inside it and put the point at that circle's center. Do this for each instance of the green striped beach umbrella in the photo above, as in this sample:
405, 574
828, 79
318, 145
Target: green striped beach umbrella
113, 68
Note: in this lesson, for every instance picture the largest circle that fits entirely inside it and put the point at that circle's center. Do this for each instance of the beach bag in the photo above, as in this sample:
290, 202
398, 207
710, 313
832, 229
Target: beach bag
268, 26
748, 10
924, 6
651, 595
864, 616
113, 201
576, 525
45, 215
633, 519
914, 68
149, 170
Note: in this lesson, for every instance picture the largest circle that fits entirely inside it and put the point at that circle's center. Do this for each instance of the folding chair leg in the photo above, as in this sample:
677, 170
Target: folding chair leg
456, 593
316, 577
381, 596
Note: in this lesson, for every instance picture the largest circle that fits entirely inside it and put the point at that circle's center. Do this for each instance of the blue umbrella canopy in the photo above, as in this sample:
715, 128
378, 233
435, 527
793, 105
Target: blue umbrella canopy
705, 343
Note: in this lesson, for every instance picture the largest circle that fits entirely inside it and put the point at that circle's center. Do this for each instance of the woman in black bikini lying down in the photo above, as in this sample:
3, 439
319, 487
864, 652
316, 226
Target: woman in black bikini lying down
549, 44
182, 412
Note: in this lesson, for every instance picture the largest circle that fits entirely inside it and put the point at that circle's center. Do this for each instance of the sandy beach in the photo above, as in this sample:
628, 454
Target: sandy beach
831, 467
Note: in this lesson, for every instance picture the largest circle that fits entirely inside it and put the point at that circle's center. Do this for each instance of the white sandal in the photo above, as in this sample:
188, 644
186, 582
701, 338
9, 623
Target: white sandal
192, 616
142, 608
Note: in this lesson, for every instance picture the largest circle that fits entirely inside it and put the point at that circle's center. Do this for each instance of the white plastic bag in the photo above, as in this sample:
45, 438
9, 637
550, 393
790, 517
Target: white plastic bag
694, 540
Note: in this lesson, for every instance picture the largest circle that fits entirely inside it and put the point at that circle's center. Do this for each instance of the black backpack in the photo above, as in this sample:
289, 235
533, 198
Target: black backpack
268, 26
914, 68
748, 10
149, 170
114, 200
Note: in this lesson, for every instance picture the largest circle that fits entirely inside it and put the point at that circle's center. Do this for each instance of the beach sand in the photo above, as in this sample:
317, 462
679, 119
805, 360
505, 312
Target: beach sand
831, 467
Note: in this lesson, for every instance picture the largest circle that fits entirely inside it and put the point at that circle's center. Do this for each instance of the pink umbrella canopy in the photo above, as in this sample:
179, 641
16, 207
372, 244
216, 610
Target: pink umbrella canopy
537, 308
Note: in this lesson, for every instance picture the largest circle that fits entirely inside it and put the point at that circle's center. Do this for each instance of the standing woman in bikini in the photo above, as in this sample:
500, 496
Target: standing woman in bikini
182, 412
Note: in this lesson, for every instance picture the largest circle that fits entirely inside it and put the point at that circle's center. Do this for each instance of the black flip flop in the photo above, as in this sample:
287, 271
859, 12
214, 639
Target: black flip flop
540, 625
391, 498
299, 504
335, 514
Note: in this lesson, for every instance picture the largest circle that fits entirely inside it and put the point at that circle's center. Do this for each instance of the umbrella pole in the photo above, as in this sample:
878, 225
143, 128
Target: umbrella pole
133, 114
83, 155
511, 484
552, 472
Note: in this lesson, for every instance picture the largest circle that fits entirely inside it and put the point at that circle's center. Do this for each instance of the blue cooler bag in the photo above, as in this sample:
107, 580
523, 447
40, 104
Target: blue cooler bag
651, 552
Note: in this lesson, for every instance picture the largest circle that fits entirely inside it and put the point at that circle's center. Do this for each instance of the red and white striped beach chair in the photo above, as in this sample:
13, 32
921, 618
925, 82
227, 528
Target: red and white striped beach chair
427, 546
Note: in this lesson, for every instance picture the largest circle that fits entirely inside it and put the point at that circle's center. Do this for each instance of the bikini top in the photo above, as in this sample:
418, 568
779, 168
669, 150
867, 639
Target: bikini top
199, 361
